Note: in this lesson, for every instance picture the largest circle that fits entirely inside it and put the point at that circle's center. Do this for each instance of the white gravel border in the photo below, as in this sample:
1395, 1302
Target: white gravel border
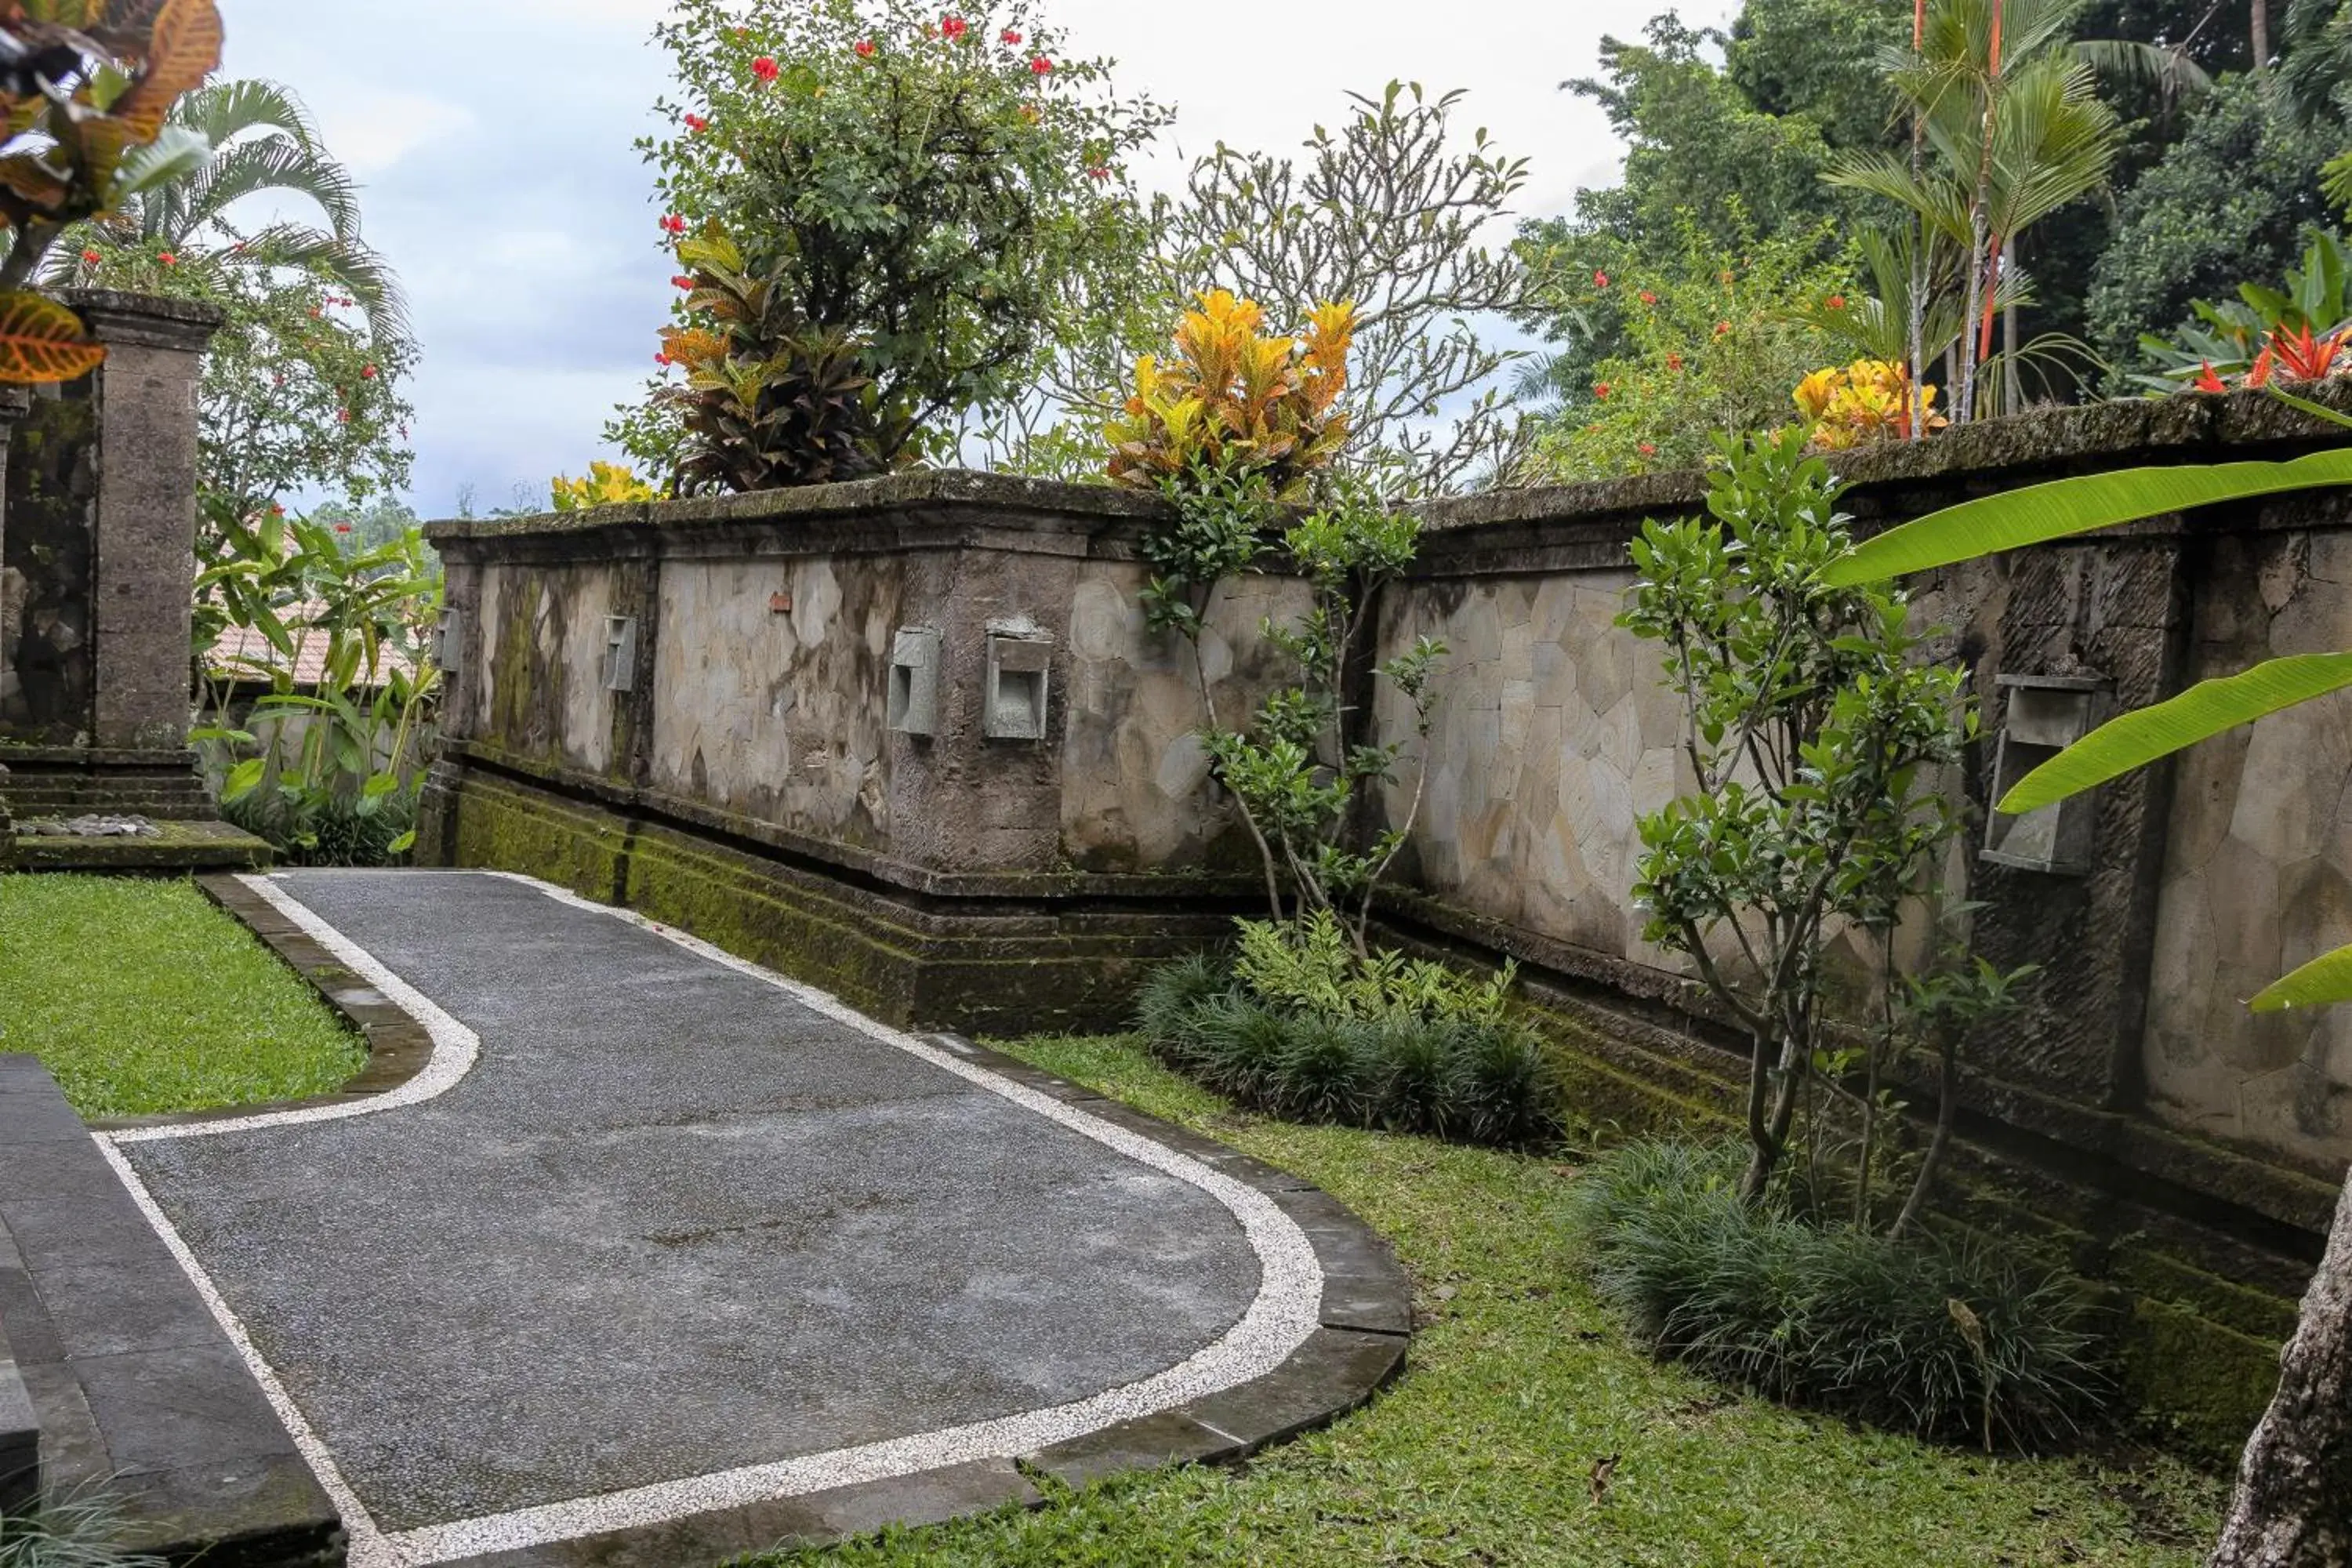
1286, 1312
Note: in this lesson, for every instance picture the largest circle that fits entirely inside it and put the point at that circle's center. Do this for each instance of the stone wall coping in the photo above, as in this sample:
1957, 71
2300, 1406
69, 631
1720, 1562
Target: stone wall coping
151, 321
1543, 528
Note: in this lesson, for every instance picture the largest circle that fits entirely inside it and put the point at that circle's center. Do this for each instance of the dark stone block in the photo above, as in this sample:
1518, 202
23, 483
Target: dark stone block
1150, 1442
1335, 1372
139, 1301
20, 1442
191, 1408
237, 1513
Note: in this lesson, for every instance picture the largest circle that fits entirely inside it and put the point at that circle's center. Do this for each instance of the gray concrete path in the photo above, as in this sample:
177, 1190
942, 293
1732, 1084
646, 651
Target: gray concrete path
675, 1222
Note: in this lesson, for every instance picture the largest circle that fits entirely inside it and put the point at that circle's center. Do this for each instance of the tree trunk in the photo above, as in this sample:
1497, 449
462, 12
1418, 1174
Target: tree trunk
2293, 1504
2261, 20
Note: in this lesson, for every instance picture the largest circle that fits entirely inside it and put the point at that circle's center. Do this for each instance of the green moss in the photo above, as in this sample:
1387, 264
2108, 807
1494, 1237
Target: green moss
2208, 1384
142, 998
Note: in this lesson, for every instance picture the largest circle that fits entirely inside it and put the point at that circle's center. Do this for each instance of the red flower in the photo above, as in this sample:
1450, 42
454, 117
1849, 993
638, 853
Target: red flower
2208, 381
277, 510
1010, 37
681, 282
1674, 362
1648, 450
863, 49
343, 416
1723, 329
766, 69
1647, 297
952, 27
1601, 280
661, 358
696, 123
1837, 301
168, 260
367, 372
1097, 173
1040, 66
672, 224
92, 257
1601, 391
343, 528
2261, 374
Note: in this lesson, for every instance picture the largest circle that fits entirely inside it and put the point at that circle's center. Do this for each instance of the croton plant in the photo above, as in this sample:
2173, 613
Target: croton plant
85, 86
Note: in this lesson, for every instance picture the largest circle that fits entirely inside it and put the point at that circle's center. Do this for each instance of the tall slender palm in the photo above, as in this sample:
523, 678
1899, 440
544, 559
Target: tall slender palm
263, 143
2007, 105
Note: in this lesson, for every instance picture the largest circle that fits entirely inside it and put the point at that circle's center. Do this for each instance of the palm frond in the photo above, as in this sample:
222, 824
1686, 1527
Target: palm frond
366, 275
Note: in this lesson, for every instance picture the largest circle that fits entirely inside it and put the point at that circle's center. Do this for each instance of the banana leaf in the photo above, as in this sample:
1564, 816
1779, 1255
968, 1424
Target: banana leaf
2059, 507
2198, 714
2325, 979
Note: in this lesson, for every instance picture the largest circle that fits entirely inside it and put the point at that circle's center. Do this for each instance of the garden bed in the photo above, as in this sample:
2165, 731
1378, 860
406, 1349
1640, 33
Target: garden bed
1521, 1385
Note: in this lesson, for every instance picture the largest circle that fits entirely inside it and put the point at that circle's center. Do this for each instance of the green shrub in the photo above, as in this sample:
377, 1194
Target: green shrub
1299, 1026
312, 828
1925, 1336
68, 1533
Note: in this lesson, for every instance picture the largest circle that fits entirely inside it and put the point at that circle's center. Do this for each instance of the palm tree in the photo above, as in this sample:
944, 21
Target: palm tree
263, 143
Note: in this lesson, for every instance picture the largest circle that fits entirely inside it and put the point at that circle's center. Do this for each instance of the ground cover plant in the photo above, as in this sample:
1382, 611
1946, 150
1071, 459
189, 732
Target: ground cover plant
1528, 1431
1935, 1337
142, 998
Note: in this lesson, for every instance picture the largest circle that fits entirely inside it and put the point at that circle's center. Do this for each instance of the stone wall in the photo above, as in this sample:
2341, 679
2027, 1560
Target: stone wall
752, 786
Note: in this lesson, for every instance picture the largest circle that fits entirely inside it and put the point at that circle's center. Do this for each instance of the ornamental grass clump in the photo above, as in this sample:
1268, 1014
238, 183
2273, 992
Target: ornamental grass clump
1926, 1336
1297, 1025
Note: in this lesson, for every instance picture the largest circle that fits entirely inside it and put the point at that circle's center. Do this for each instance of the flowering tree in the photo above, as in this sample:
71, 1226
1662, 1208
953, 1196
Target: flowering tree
907, 201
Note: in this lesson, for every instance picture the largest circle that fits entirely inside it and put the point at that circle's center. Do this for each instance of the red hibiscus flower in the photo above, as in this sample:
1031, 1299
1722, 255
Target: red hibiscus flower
343, 528
696, 123
168, 260
367, 372
1648, 450
1601, 390
1010, 37
662, 358
681, 282
766, 69
1837, 301
672, 224
954, 27
1601, 280
1674, 362
1040, 66
863, 49
92, 257
1723, 329
1097, 173
1647, 297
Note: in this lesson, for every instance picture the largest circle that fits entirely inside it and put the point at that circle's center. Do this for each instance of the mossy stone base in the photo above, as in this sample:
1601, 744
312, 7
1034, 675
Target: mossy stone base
176, 847
995, 968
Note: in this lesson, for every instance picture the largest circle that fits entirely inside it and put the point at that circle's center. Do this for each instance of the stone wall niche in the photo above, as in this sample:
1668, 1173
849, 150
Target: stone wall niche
2046, 714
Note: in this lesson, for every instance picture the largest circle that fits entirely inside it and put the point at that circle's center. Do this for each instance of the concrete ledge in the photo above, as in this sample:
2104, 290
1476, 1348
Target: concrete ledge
180, 847
138, 1392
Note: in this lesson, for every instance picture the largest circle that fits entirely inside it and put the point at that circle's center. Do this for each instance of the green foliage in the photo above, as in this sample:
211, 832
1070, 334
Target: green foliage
2057, 508
142, 998
1297, 768
2228, 202
69, 1533
1712, 342
1303, 1026
1935, 1339
327, 763
923, 204
2293, 333
301, 393
1812, 734
1820, 58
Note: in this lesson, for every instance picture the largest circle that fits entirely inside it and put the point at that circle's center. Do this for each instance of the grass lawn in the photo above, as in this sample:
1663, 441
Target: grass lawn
1484, 1453
142, 997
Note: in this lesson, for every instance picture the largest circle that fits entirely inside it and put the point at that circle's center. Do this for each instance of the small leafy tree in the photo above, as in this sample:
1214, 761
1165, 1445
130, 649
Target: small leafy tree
1812, 735
1236, 426
1382, 213
920, 196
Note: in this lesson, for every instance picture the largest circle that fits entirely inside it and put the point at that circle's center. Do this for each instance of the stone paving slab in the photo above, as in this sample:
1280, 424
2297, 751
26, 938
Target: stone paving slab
660, 1259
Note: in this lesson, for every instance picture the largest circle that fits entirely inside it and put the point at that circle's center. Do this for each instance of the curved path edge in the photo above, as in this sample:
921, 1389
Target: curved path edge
1292, 1364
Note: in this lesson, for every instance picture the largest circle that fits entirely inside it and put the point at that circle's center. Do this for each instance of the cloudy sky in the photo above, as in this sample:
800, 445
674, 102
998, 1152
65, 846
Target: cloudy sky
492, 138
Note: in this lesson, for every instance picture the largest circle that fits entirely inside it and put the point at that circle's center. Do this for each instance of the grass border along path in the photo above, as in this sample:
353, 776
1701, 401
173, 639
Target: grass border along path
1517, 1388
142, 998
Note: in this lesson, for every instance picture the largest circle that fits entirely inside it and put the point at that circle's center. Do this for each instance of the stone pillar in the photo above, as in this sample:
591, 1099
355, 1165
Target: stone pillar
97, 566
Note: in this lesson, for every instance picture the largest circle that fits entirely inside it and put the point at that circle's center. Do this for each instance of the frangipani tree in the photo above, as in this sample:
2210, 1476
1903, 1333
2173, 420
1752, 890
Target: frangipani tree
2293, 1503
87, 87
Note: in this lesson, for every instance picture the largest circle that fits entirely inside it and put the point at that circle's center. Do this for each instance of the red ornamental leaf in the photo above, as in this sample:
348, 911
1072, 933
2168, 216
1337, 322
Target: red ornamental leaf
43, 341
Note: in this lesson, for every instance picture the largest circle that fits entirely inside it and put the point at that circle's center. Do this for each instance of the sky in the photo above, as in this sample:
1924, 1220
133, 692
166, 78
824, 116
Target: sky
491, 139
